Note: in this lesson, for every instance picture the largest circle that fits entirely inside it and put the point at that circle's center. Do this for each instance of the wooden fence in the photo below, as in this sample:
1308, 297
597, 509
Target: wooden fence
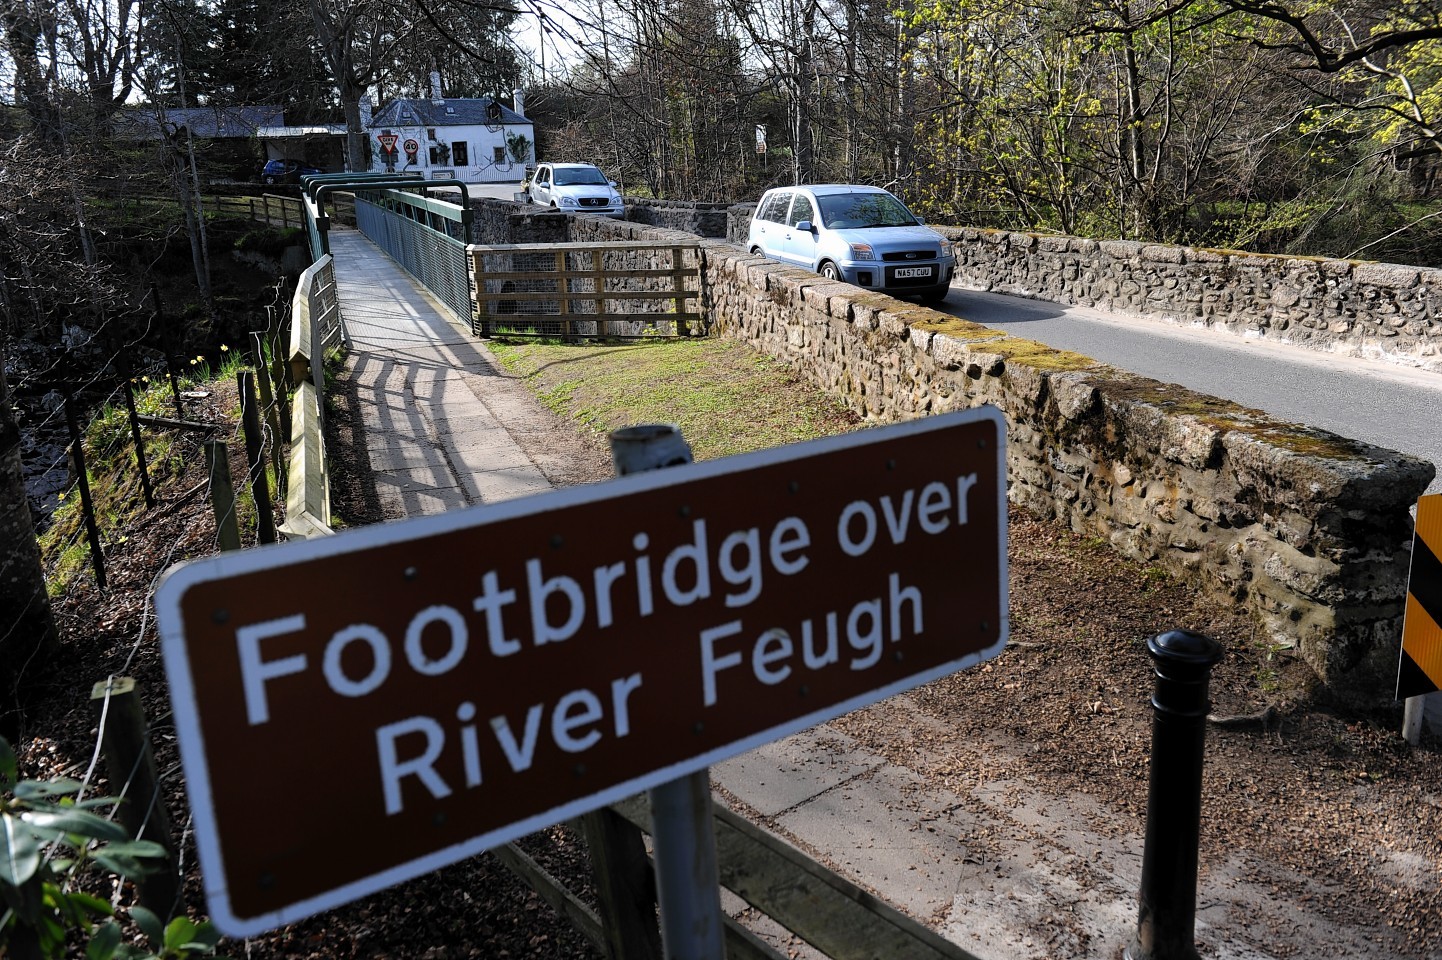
315, 330
829, 912
583, 290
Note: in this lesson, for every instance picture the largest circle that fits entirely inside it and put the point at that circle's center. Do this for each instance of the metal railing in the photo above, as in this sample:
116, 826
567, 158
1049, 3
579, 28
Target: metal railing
427, 236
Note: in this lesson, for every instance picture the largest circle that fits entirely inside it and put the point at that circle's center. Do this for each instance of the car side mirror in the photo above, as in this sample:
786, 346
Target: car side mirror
611, 182
920, 222
806, 226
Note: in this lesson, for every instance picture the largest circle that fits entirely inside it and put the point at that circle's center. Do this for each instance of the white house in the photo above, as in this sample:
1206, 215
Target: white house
472, 140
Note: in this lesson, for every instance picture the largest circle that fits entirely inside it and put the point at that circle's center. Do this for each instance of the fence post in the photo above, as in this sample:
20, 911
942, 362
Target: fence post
277, 337
688, 880
678, 283
135, 434
1166, 925
563, 286
255, 457
82, 478
625, 892
167, 341
222, 494
130, 764
269, 407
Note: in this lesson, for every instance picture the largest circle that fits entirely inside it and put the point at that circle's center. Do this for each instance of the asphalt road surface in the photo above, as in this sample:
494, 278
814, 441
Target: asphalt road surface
1376, 402
1386, 404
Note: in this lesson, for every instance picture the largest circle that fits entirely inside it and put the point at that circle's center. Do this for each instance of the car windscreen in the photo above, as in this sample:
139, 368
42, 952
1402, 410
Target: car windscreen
846, 211
584, 177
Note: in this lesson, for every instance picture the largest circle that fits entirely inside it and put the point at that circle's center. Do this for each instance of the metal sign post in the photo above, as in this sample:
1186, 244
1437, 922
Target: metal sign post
688, 885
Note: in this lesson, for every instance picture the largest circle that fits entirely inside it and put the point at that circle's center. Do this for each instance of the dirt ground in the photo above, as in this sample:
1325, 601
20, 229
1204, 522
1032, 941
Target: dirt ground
1320, 805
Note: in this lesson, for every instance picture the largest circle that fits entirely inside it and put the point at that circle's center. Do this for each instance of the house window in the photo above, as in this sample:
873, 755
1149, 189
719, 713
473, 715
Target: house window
430, 133
436, 155
460, 156
500, 154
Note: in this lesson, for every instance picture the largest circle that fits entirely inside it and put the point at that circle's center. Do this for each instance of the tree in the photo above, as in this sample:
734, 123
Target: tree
27, 629
41, 283
358, 40
467, 41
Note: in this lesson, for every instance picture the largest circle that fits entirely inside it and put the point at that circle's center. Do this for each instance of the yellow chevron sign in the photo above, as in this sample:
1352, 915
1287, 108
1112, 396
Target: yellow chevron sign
1421, 668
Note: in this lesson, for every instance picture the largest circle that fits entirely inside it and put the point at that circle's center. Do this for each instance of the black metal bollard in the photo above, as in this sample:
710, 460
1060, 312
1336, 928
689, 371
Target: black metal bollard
1167, 922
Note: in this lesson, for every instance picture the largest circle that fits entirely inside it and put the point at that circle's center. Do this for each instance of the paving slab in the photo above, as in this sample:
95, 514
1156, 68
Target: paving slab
781, 776
440, 418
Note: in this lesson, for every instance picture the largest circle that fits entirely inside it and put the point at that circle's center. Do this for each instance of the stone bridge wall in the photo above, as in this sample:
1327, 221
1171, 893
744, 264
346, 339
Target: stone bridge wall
1352, 307
701, 219
1307, 531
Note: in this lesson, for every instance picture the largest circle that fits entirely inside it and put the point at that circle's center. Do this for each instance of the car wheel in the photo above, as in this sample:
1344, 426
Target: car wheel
934, 297
757, 251
269, 181
829, 271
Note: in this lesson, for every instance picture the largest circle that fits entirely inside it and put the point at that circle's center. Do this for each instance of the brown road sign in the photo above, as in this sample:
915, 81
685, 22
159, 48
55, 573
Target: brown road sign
1420, 671
357, 710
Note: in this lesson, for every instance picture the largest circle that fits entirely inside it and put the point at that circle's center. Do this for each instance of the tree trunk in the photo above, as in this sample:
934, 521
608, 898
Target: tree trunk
28, 637
356, 136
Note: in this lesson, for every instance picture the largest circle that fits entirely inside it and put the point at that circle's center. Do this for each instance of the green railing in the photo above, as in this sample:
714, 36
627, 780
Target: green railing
425, 234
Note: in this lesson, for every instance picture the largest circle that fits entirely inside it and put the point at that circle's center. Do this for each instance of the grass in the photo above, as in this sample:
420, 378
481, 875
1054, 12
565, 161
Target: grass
114, 477
725, 397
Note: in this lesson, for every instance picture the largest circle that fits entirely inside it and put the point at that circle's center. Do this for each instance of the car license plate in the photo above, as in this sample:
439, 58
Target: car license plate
913, 271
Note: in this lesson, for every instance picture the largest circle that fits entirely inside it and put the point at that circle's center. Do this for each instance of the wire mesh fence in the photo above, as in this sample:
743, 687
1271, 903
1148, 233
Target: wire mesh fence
621, 290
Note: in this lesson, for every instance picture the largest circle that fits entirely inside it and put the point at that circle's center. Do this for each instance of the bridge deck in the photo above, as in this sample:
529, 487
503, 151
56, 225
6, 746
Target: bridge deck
441, 417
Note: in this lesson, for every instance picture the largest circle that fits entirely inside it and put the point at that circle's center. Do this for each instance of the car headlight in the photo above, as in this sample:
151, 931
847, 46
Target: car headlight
946, 250
861, 251
568, 201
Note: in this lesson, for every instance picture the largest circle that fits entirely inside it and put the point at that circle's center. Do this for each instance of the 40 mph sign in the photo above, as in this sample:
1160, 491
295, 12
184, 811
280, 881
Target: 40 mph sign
361, 709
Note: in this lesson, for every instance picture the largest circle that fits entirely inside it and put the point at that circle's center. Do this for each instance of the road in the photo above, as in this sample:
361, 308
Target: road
1380, 403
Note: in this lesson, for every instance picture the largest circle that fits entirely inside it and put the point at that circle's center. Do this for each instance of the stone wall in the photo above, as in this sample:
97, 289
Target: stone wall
1307, 531
518, 222
700, 219
1379, 310
738, 222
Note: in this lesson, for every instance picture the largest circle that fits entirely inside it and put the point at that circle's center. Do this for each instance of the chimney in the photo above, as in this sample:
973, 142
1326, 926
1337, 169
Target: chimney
436, 87
518, 98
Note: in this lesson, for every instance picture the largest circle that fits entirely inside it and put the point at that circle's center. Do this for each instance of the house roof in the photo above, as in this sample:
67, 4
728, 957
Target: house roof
464, 112
312, 130
214, 122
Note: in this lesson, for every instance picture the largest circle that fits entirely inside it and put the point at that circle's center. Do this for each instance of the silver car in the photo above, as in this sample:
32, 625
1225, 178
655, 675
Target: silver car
576, 188
863, 235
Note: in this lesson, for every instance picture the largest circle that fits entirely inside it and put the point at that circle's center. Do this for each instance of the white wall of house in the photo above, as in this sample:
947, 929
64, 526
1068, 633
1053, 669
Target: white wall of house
471, 154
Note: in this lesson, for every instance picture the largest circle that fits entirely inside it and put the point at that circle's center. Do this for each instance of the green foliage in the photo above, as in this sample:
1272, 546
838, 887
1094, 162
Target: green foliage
114, 476
51, 840
270, 241
697, 384
518, 145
